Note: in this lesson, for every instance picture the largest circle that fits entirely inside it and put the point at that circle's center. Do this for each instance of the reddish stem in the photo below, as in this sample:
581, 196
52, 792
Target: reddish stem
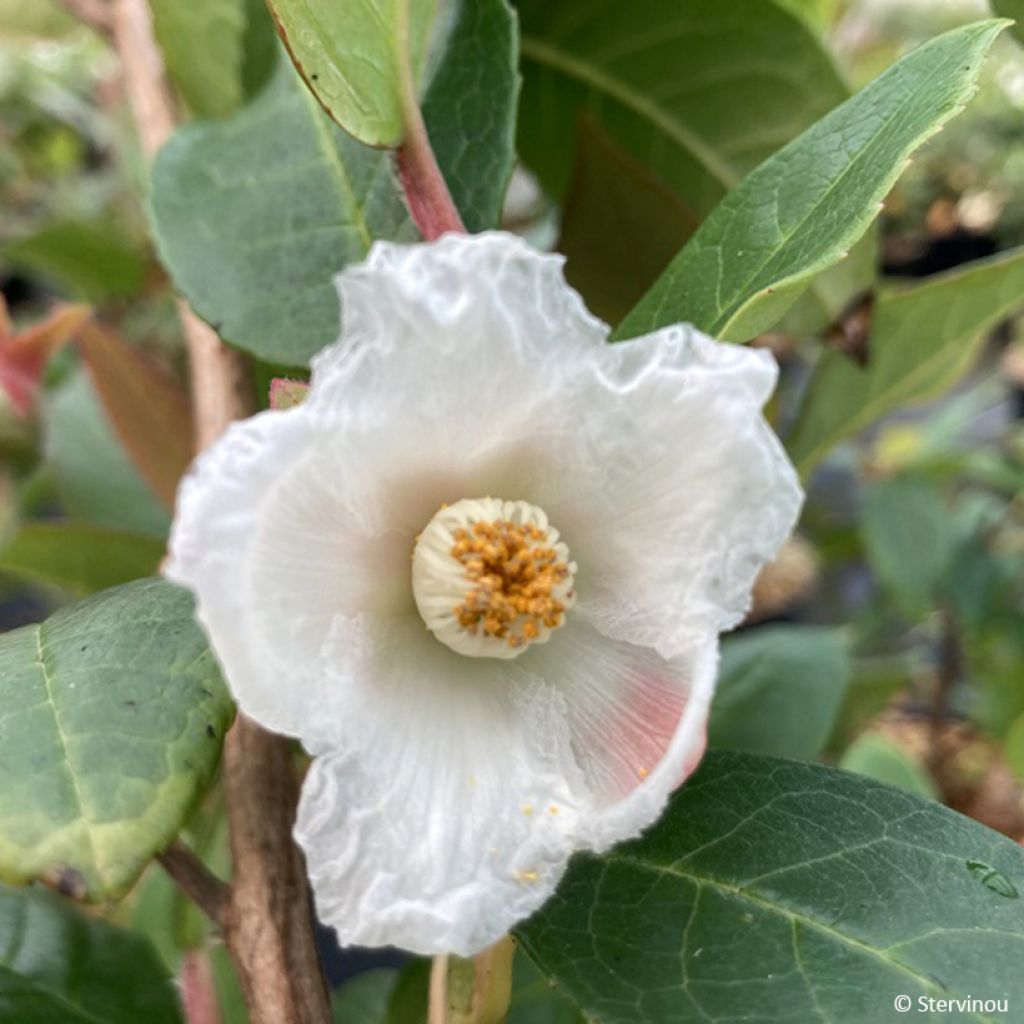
430, 203
198, 990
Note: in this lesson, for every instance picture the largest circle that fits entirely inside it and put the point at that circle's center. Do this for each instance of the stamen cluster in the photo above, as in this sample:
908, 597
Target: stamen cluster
514, 574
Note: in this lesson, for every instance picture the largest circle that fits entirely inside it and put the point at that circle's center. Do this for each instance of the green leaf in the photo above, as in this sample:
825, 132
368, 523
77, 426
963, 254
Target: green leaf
781, 891
910, 541
58, 966
470, 109
620, 225
830, 295
113, 716
1013, 747
881, 759
817, 12
535, 1000
804, 207
698, 93
1012, 9
873, 684
254, 216
88, 261
364, 999
96, 480
409, 999
79, 557
923, 339
683, 114
779, 690
218, 52
202, 49
360, 59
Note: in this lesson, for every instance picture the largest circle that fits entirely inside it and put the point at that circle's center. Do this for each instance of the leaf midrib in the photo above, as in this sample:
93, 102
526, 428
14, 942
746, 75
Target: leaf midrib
590, 74
595, 77
792, 916
728, 313
336, 166
65, 753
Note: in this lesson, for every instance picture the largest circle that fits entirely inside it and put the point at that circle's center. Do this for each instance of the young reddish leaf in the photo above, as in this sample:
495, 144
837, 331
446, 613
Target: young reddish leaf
286, 394
146, 408
24, 356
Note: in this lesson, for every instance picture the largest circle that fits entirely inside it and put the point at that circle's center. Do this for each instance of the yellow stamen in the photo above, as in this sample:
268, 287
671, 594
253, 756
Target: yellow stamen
512, 576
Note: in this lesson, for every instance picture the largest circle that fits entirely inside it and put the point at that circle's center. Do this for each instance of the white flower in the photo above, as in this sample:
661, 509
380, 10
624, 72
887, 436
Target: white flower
475, 716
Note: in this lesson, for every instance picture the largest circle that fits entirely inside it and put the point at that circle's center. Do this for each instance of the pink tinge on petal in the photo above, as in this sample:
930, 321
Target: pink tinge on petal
653, 708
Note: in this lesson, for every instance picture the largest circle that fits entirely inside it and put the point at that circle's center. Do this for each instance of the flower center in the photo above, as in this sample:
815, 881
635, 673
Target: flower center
491, 577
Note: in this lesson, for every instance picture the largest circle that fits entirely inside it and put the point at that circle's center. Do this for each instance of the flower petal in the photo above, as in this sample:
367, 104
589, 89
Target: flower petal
637, 723
464, 341
686, 494
449, 815
264, 536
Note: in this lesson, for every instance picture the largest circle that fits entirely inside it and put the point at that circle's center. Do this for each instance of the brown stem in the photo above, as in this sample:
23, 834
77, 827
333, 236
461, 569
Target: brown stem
270, 932
197, 882
267, 923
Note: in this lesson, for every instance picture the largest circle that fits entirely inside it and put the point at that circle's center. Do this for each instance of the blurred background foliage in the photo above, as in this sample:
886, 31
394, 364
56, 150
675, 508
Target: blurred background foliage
889, 636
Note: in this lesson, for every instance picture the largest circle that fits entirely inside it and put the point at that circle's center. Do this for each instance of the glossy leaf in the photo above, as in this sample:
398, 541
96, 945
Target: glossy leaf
113, 716
360, 59
79, 557
213, 50
621, 225
679, 113
147, 409
469, 108
255, 215
535, 1000
779, 690
96, 480
58, 966
772, 890
799, 212
923, 338
697, 93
